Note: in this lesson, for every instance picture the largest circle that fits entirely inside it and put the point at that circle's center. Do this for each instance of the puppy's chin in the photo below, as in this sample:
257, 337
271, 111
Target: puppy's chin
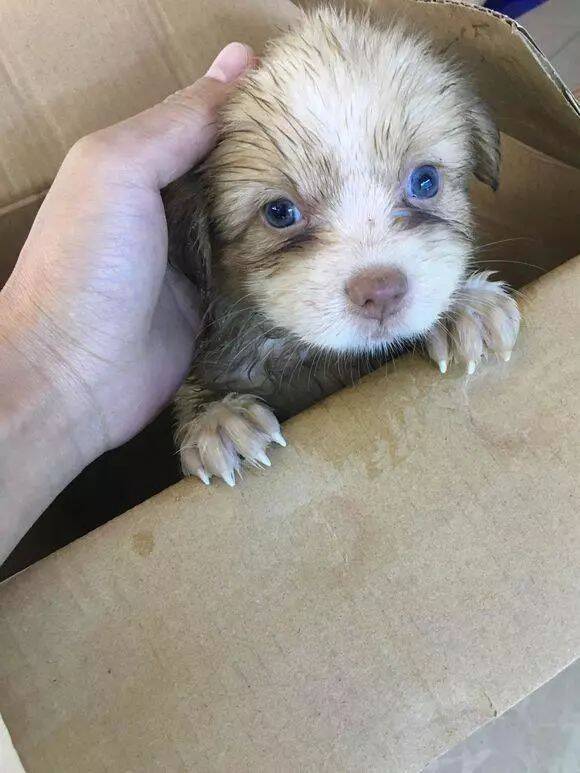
369, 335
360, 337
356, 336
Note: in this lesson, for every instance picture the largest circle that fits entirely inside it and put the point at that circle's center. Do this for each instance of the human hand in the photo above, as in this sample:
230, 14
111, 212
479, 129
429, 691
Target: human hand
96, 330
92, 284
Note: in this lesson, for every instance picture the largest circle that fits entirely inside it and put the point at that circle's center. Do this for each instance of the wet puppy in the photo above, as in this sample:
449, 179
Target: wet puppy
330, 225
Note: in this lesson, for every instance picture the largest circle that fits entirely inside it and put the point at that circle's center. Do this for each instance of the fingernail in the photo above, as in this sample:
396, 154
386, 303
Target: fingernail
231, 62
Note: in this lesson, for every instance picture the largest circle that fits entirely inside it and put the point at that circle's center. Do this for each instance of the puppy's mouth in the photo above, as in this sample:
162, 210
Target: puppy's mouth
382, 330
381, 327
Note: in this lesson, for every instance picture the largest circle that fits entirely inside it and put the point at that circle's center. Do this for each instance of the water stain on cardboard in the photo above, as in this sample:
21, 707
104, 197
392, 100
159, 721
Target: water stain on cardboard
143, 543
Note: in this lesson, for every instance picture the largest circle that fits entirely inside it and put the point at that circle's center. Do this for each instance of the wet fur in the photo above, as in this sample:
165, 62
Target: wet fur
335, 117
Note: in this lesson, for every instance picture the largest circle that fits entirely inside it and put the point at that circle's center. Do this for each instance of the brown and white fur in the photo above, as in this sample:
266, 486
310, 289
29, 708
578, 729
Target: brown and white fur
335, 118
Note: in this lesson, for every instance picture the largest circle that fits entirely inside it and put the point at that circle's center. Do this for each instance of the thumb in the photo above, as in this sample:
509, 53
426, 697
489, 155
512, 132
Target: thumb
168, 139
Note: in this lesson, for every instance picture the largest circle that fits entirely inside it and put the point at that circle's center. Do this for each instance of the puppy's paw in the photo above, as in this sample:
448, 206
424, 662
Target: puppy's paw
484, 318
227, 431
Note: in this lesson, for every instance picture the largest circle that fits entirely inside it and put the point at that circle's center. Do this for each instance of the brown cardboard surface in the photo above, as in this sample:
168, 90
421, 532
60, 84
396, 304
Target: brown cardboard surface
67, 69
15, 223
406, 570
71, 69
532, 223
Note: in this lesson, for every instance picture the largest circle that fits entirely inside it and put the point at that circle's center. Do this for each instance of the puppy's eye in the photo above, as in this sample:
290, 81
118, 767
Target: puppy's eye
282, 213
423, 182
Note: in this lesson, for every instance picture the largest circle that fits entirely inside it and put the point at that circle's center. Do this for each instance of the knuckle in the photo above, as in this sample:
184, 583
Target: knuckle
191, 103
95, 149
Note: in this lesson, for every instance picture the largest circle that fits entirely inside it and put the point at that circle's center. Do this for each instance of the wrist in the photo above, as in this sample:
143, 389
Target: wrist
38, 386
48, 433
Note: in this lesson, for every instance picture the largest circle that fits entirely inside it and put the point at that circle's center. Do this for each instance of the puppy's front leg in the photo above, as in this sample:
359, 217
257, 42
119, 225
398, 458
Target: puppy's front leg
215, 433
483, 318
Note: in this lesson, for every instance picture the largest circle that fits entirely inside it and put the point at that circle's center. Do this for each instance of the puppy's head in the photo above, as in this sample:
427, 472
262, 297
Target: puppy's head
338, 188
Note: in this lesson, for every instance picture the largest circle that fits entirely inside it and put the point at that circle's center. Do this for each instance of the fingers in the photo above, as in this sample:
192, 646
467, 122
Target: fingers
176, 134
230, 63
165, 141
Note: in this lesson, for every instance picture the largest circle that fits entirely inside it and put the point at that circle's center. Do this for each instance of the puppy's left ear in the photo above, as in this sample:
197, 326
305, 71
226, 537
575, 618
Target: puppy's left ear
486, 146
189, 240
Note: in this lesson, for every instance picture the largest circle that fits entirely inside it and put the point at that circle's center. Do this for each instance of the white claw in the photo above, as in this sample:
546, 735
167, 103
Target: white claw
506, 356
203, 476
215, 442
277, 437
263, 459
229, 478
471, 367
442, 366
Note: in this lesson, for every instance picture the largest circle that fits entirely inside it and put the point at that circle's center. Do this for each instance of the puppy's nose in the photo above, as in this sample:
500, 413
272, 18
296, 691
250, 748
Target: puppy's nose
378, 292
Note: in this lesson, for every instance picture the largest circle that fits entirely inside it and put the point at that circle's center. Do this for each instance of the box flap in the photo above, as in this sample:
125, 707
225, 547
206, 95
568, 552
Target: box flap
407, 569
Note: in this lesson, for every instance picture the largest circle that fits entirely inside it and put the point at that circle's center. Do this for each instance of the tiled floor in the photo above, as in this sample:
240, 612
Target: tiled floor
542, 733
539, 735
555, 26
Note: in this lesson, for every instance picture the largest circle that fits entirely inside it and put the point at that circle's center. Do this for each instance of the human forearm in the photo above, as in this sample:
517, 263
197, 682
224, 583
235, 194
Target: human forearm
46, 439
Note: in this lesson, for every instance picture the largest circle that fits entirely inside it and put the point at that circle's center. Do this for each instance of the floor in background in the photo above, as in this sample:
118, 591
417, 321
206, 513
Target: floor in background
541, 734
555, 26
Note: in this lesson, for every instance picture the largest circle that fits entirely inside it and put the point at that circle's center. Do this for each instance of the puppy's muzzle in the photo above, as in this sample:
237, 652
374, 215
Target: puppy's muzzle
378, 293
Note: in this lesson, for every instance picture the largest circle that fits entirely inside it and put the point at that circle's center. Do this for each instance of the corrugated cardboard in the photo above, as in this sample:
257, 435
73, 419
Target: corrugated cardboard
407, 569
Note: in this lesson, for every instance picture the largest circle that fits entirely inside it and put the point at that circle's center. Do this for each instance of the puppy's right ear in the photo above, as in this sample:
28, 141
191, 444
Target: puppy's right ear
189, 248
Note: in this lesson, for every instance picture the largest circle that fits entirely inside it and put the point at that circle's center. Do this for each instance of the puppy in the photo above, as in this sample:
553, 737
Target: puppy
330, 225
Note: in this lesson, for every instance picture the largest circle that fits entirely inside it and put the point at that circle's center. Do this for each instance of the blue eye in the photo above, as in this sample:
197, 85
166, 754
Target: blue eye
423, 182
282, 213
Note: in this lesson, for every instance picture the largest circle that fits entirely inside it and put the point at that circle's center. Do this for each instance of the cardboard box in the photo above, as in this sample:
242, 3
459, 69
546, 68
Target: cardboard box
407, 570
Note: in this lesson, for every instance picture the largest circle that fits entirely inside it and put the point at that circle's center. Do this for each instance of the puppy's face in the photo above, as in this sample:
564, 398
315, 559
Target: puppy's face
338, 189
